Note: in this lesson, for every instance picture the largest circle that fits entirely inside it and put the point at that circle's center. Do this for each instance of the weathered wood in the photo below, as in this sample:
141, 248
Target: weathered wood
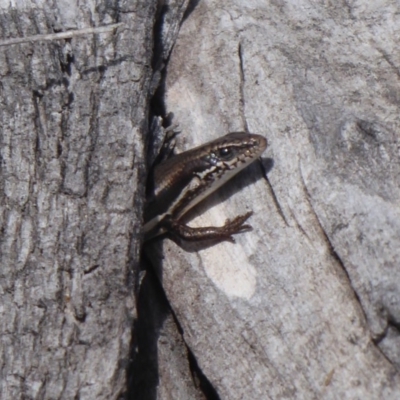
307, 305
161, 369
74, 117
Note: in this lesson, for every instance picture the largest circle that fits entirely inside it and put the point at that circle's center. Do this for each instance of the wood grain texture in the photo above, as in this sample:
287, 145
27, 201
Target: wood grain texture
307, 305
73, 122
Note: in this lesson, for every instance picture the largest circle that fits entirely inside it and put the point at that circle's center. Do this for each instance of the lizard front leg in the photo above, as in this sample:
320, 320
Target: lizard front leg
225, 232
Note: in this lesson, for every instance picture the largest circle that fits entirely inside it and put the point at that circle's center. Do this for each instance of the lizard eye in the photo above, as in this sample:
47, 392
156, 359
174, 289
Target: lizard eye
225, 152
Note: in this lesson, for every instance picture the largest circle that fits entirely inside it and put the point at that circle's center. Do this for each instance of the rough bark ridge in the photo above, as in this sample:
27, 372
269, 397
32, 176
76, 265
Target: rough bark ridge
73, 118
305, 306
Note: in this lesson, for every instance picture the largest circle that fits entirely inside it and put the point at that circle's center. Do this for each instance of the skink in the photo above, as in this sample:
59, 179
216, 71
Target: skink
181, 182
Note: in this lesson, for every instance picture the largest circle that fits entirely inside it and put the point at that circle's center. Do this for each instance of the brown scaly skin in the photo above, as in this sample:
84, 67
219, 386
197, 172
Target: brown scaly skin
184, 180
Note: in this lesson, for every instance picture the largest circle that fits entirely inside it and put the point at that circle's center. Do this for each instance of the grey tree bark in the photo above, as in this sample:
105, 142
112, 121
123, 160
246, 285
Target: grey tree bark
305, 306
74, 119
